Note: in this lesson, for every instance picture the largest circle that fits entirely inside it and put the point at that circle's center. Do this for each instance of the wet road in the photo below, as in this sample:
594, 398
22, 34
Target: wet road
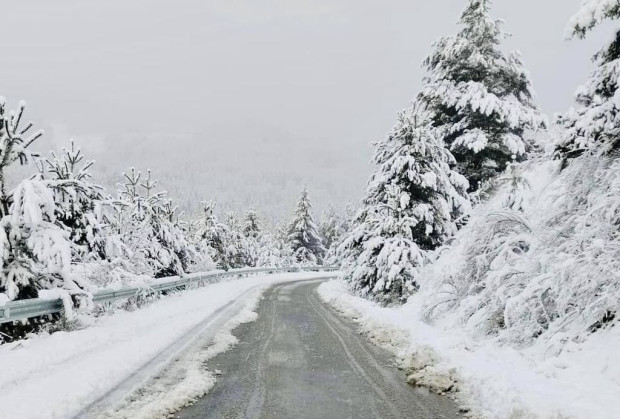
300, 360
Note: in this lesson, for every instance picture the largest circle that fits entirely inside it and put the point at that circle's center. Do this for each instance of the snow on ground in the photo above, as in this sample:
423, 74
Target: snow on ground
68, 371
491, 380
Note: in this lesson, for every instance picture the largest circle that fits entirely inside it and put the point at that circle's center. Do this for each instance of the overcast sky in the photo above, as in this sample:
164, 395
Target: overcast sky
324, 71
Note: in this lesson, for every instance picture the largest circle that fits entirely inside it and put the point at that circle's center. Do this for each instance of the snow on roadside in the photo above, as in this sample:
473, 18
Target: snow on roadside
186, 379
70, 370
491, 380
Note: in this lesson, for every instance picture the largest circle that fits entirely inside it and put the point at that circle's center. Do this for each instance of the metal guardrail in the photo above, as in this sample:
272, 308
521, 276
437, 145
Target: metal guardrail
25, 309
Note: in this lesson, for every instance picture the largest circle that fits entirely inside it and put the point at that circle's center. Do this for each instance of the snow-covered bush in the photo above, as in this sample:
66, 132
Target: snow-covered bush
548, 268
274, 251
481, 98
35, 252
149, 227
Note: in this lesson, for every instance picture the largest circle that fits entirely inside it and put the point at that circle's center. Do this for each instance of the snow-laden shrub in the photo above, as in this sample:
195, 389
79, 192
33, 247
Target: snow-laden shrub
148, 225
35, 252
547, 268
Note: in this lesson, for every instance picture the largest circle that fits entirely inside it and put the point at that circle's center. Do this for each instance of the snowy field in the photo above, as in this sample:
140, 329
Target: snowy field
95, 367
488, 379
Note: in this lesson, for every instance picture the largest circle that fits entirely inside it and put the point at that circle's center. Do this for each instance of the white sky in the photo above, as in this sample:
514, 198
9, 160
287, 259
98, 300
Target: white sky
321, 71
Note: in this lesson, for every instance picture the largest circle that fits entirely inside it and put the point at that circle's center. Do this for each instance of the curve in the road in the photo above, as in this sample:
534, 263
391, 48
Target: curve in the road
300, 360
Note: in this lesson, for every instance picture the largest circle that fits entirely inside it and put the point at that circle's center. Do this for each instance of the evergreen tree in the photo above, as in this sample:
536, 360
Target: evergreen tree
273, 251
594, 126
14, 143
147, 223
251, 224
211, 236
329, 228
412, 204
238, 253
334, 228
253, 238
79, 202
481, 98
303, 236
35, 253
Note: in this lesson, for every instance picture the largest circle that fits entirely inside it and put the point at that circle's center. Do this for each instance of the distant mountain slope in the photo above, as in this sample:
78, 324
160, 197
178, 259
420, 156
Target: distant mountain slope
241, 165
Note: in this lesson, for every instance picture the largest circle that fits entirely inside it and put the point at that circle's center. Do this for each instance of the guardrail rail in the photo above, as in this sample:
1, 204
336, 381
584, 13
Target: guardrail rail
34, 307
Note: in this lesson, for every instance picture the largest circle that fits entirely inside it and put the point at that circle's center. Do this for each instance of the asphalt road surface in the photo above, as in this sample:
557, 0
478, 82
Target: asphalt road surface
300, 360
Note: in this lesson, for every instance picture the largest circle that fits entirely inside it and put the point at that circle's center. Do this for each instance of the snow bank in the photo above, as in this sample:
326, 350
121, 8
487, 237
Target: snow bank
523, 302
70, 370
487, 378
186, 379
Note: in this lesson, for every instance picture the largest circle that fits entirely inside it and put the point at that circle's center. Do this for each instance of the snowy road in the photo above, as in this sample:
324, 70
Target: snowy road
140, 364
299, 360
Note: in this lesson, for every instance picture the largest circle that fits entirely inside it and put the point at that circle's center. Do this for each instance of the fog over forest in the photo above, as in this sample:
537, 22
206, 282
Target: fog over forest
244, 103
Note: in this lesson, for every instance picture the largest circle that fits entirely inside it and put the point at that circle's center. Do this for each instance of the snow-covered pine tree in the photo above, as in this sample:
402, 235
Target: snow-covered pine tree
253, 237
412, 204
79, 202
333, 228
481, 98
171, 233
212, 236
35, 253
14, 143
303, 236
594, 125
273, 252
251, 224
238, 254
146, 221
328, 228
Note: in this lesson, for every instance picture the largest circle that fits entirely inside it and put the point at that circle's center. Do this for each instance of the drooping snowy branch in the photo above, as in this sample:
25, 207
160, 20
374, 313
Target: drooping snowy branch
594, 124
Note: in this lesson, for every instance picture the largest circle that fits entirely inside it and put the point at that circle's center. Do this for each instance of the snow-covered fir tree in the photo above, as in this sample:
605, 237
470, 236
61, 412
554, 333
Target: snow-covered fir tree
412, 205
147, 223
303, 234
481, 98
594, 125
14, 143
329, 228
238, 253
253, 237
79, 202
343, 226
333, 228
211, 236
274, 251
251, 224
35, 252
